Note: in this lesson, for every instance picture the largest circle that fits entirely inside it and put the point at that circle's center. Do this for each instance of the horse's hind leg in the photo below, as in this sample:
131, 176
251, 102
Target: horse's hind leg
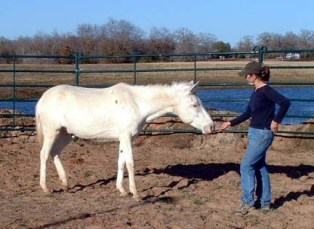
53, 143
44, 154
61, 141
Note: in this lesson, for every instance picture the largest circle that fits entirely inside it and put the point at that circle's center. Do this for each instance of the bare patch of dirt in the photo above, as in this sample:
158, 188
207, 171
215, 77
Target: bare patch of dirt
185, 180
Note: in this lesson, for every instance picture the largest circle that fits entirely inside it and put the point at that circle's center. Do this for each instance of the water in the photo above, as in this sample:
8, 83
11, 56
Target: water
241, 97
296, 108
25, 107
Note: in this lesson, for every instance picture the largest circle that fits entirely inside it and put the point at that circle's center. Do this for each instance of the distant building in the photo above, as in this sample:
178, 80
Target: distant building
293, 56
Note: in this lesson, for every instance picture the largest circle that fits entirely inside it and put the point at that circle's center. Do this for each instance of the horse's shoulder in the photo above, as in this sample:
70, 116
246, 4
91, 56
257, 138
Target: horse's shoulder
121, 88
122, 85
61, 87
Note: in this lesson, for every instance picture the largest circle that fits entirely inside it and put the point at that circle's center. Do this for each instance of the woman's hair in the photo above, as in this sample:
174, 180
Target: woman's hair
264, 73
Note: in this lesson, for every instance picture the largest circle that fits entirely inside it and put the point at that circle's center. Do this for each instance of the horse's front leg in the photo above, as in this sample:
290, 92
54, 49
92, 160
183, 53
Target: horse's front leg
126, 158
121, 164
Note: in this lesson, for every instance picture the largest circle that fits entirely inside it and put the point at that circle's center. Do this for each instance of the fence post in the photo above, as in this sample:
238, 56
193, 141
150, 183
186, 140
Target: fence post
77, 69
134, 70
14, 91
194, 68
261, 52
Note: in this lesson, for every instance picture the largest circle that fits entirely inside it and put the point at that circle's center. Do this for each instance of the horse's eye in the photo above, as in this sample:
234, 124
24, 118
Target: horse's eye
195, 105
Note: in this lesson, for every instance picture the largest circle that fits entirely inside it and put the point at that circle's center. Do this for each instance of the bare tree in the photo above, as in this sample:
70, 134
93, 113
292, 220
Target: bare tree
6, 48
161, 40
306, 39
205, 42
307, 42
120, 37
86, 35
290, 41
185, 41
246, 43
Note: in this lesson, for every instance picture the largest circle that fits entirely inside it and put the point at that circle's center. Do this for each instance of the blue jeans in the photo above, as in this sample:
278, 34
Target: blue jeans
254, 168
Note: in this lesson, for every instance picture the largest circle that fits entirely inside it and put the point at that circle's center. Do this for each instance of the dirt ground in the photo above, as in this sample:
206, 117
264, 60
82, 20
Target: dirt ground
185, 180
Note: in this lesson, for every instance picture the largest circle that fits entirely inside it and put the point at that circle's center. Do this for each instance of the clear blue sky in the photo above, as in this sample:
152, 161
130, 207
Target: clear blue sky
229, 20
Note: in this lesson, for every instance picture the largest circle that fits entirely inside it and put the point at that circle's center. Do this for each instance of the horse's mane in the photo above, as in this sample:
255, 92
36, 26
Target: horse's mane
176, 85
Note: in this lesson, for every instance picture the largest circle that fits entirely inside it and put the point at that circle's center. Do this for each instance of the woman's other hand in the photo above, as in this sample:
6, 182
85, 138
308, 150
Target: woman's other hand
274, 126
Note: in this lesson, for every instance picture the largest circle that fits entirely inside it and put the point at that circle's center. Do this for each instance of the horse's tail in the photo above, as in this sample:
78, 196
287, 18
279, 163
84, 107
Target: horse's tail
39, 129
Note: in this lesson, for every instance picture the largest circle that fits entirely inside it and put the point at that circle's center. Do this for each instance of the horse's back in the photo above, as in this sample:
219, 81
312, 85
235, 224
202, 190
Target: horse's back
67, 95
79, 109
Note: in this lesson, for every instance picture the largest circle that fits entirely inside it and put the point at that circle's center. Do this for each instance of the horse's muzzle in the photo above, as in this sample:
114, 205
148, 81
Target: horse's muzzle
208, 129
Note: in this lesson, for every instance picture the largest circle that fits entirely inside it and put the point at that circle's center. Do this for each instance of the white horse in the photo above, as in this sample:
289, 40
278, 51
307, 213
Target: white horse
115, 113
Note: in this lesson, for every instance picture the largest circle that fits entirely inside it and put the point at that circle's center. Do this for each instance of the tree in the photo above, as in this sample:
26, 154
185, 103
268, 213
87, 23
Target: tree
306, 39
221, 46
205, 42
6, 48
185, 42
87, 35
306, 42
161, 40
120, 37
246, 44
290, 41
265, 39
23, 45
66, 50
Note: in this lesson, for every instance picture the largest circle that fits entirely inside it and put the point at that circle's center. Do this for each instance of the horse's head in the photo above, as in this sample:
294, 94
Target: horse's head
190, 109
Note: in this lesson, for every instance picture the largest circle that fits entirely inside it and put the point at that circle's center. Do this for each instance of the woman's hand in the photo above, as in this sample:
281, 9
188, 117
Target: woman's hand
224, 126
274, 126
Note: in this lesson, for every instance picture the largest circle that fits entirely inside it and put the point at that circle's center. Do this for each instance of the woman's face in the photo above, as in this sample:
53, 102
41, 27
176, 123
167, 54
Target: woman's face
250, 78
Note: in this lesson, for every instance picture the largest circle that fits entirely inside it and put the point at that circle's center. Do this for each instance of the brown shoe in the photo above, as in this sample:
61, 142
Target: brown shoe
265, 209
243, 209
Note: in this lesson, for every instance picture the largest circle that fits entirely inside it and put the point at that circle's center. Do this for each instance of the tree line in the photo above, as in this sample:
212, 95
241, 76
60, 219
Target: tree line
120, 37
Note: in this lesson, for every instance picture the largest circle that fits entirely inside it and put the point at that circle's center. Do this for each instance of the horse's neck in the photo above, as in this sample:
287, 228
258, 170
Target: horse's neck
156, 98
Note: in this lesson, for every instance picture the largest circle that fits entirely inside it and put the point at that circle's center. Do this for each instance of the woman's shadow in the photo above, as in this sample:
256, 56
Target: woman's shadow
294, 172
212, 171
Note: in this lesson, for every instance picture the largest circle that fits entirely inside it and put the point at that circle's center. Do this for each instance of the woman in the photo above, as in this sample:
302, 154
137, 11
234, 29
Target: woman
264, 122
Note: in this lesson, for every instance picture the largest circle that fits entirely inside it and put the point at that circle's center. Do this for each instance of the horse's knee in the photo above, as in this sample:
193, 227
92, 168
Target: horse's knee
130, 165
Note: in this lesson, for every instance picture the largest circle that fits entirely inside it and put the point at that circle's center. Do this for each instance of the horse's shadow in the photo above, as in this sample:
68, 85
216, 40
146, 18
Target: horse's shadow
208, 172
196, 171
81, 187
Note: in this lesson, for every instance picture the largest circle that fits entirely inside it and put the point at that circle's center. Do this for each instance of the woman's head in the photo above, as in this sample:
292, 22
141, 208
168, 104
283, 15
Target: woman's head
256, 69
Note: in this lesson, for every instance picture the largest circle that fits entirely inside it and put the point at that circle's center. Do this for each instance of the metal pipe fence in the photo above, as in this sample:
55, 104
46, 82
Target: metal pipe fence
17, 78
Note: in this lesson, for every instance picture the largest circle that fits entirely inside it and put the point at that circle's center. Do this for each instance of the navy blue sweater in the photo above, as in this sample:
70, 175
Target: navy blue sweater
261, 108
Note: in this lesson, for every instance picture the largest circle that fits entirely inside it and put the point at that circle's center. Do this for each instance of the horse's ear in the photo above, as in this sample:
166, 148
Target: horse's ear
195, 87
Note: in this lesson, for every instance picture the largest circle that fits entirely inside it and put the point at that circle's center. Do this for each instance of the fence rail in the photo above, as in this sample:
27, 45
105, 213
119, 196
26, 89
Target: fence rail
17, 76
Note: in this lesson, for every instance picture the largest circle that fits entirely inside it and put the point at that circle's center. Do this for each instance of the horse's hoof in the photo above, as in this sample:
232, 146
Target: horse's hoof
137, 198
46, 191
124, 194
66, 188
